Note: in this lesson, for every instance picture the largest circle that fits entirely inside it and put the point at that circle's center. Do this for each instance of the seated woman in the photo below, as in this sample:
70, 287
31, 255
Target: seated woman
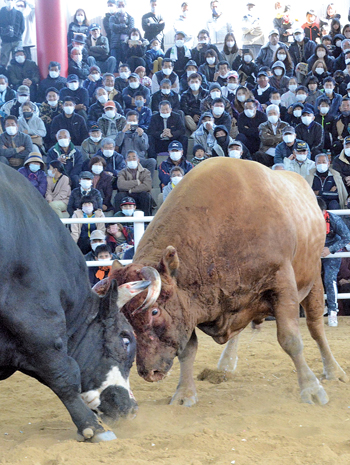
208, 68
248, 69
118, 237
144, 80
81, 232
242, 94
102, 181
134, 49
319, 71
283, 55
58, 188
31, 124
33, 170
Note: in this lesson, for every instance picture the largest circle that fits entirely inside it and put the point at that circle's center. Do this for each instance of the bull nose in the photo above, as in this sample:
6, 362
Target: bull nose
153, 376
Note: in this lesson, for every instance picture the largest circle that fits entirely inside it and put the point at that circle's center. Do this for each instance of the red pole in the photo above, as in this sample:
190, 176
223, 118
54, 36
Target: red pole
51, 34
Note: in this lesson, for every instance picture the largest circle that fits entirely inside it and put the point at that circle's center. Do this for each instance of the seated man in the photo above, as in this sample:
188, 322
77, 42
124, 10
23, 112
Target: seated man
76, 65
92, 144
98, 50
237, 150
65, 152
130, 91
80, 95
286, 148
248, 125
176, 174
74, 123
341, 163
114, 160
298, 161
267, 52
214, 93
48, 110
128, 208
342, 126
263, 89
113, 93
270, 134
221, 117
93, 82
179, 53
165, 92
111, 122
310, 131
85, 189
167, 72
22, 71
327, 122
52, 80
15, 146
122, 80
204, 135
133, 137
136, 182
6, 93
176, 158
192, 68
11, 107
96, 110
165, 126
335, 99
327, 183
191, 99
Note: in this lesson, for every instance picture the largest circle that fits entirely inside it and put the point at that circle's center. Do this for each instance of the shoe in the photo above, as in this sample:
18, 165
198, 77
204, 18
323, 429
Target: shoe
332, 319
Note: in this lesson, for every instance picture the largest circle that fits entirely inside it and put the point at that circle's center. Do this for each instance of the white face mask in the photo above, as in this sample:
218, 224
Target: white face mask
292, 87
132, 164
232, 86
324, 110
110, 113
68, 110
165, 115
328, 91
11, 130
241, 98
175, 156
338, 43
77, 58
124, 75
347, 61
134, 85
167, 71
96, 139
80, 18
73, 85
97, 169
128, 211
134, 37
156, 48
299, 37
87, 209
109, 89
53, 103
281, 56
230, 44
34, 168
216, 94
275, 101
273, 119
96, 76
249, 113
234, 153
321, 54
218, 111
210, 60
347, 152
54, 74
288, 138
322, 167
22, 98
166, 91
179, 43
96, 244
50, 173
300, 157
103, 99
176, 179
86, 184
300, 97
107, 153
63, 142
297, 113
307, 120
319, 70
195, 86
2, 87
247, 58
20, 59
278, 71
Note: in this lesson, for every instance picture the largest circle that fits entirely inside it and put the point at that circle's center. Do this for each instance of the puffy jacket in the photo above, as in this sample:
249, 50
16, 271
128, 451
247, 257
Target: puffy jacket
74, 159
250, 127
312, 135
111, 127
17, 72
266, 54
267, 136
190, 104
165, 167
38, 179
335, 104
132, 141
298, 56
76, 126
120, 25
76, 196
284, 151
173, 98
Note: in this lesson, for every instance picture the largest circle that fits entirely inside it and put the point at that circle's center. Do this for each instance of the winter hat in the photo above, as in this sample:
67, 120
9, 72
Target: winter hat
197, 147
35, 156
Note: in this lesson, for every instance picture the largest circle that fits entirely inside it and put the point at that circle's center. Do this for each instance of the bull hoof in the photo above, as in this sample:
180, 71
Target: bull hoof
313, 394
336, 374
186, 397
99, 437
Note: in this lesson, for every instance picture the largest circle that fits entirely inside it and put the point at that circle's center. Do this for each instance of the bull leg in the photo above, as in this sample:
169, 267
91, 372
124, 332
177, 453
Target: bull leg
186, 390
313, 305
228, 359
287, 319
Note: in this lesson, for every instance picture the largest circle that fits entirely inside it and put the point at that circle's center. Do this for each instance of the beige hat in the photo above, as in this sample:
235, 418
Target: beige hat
97, 234
34, 156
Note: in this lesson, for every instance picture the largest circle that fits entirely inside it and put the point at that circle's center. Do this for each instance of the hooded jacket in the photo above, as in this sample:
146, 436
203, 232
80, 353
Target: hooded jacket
280, 83
111, 126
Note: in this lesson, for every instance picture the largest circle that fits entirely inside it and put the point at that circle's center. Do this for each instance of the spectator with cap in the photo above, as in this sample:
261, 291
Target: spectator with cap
98, 49
287, 147
327, 122
130, 91
127, 209
203, 45
15, 146
298, 161
120, 24
336, 99
270, 134
302, 48
176, 175
96, 110
65, 152
327, 183
6, 93
237, 150
74, 123
215, 92
311, 26
48, 110
79, 25
85, 189
253, 36
97, 238
22, 71
179, 53
111, 122
218, 25
293, 116
113, 93
58, 188
93, 81
153, 24
33, 170
199, 154
230, 90
12, 107
135, 181
263, 89
154, 56
114, 160
310, 131
144, 114
80, 95
165, 92
176, 158
53, 79
342, 126
11, 30
165, 126
341, 163
267, 52
191, 100
79, 42
76, 64
248, 125
191, 68
134, 48
204, 135
167, 72
92, 144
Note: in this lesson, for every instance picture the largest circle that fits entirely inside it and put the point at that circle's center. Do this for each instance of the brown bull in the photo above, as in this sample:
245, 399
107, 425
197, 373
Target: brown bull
233, 243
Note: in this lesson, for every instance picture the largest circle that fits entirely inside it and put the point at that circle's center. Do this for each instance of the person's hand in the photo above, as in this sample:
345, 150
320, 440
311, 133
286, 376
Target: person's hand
208, 125
340, 138
290, 110
344, 281
139, 131
196, 118
104, 208
166, 133
109, 173
126, 127
291, 156
62, 159
325, 252
132, 101
27, 82
216, 75
347, 180
91, 78
316, 192
80, 106
264, 106
33, 136
334, 189
20, 149
25, 131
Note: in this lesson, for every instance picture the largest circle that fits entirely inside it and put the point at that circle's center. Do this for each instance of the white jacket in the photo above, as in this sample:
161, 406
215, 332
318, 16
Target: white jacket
35, 126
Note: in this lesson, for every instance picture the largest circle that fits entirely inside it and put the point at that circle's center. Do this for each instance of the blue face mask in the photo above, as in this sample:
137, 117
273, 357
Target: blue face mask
34, 168
139, 103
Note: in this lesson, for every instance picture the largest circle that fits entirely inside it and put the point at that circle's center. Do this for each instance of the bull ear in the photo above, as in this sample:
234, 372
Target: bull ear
169, 263
109, 301
116, 265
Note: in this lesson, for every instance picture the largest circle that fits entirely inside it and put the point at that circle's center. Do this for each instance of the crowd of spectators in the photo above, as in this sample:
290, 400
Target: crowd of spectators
133, 116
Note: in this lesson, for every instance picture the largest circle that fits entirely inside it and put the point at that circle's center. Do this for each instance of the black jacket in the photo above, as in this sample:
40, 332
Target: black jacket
199, 55
190, 105
302, 56
174, 123
74, 160
76, 196
180, 63
151, 26
224, 120
312, 135
173, 98
100, 51
15, 19
97, 110
19, 71
58, 83
81, 95
81, 71
120, 25
76, 126
329, 129
250, 127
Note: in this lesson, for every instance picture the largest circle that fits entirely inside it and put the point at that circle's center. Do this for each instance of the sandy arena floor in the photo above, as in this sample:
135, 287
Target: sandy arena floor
255, 419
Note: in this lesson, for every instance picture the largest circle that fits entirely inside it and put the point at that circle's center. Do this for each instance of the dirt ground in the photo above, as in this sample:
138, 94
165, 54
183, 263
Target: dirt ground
256, 418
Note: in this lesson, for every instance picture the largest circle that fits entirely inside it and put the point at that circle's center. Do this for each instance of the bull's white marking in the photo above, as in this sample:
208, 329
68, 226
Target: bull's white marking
114, 378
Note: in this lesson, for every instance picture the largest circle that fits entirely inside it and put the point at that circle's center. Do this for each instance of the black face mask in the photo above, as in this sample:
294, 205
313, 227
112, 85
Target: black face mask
221, 139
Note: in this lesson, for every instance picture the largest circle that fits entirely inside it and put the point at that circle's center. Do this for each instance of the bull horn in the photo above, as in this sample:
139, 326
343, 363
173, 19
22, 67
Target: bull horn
129, 290
152, 275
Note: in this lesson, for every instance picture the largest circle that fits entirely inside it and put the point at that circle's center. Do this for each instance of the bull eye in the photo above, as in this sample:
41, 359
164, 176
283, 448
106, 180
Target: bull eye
155, 311
126, 342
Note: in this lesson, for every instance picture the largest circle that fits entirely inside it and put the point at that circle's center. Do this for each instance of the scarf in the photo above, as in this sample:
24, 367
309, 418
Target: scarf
101, 272
328, 223
173, 53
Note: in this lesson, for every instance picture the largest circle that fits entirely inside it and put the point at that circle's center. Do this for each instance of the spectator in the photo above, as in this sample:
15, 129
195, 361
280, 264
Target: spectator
80, 95
267, 52
165, 92
289, 97
222, 142
198, 154
287, 148
85, 189
341, 163
238, 151
96, 110
122, 80
275, 99
165, 126
93, 81
111, 122
154, 57
176, 158
293, 116
96, 274
338, 50
58, 188
144, 80
81, 232
22, 71
342, 125
312, 85
279, 80
98, 238
27, 8
248, 69
32, 125
135, 181
298, 161
301, 94
248, 125
214, 93
33, 170
113, 93
48, 110
283, 55
263, 89
76, 64
74, 123
270, 134
11, 30
253, 36
114, 160
98, 49
204, 135
221, 117
327, 183
321, 53
240, 96
327, 122
112, 9
311, 26
203, 45
120, 24
191, 68
179, 54
102, 181
144, 113
79, 25
176, 174
284, 25
93, 143
128, 207
6, 93
310, 131
208, 69
130, 91
153, 24
217, 25
335, 99
65, 152
185, 24
302, 48
190, 101
15, 146
134, 49
53, 80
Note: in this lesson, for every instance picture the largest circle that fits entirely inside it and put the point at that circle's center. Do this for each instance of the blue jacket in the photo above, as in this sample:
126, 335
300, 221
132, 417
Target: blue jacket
38, 179
334, 108
165, 167
283, 150
145, 115
91, 86
339, 235
74, 159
